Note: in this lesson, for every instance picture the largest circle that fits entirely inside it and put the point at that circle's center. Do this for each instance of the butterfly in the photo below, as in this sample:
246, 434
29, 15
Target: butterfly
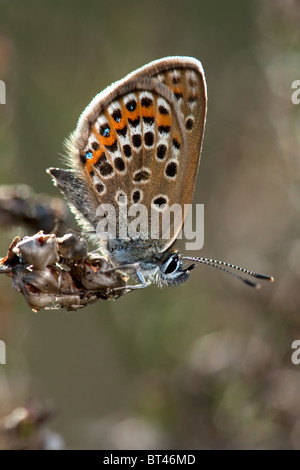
139, 143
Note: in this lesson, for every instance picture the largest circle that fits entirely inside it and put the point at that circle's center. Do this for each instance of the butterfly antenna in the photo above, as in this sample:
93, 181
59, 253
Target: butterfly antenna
223, 266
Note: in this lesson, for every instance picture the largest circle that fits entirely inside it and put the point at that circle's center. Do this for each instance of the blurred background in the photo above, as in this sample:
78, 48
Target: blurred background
208, 364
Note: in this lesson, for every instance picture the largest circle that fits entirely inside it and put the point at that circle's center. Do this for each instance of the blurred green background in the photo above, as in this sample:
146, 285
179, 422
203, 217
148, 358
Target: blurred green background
208, 364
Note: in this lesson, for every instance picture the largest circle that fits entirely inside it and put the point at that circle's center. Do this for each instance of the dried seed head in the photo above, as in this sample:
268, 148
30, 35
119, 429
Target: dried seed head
39, 250
72, 247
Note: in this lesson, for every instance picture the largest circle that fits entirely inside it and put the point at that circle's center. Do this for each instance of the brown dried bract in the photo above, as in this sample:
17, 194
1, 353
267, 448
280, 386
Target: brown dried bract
53, 272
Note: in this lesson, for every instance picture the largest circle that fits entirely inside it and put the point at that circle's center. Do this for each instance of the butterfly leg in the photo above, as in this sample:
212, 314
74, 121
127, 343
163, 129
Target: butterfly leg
143, 284
141, 278
134, 287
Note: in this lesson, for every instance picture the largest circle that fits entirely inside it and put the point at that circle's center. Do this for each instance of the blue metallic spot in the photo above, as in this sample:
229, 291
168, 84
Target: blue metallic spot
131, 107
118, 119
88, 155
106, 132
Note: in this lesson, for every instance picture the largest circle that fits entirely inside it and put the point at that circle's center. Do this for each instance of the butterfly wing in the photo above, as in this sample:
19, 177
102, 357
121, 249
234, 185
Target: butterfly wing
141, 137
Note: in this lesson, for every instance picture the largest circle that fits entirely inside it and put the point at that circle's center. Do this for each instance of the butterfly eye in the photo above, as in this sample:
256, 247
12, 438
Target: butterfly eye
172, 273
173, 264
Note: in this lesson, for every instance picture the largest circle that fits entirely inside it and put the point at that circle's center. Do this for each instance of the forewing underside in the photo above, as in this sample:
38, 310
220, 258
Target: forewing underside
142, 137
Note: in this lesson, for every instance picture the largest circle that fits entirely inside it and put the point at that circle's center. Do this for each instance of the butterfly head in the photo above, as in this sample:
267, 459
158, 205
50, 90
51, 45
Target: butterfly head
165, 268
171, 271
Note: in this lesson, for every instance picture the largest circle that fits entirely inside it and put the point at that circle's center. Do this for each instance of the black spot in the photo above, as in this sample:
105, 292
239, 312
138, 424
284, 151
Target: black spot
117, 115
92, 173
101, 160
119, 164
148, 119
165, 129
82, 158
172, 266
176, 143
176, 79
106, 169
149, 138
136, 140
192, 82
160, 201
122, 131
189, 124
146, 102
171, 169
127, 150
192, 98
100, 187
105, 130
163, 110
95, 145
113, 147
134, 122
178, 95
141, 175
131, 105
136, 196
161, 151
